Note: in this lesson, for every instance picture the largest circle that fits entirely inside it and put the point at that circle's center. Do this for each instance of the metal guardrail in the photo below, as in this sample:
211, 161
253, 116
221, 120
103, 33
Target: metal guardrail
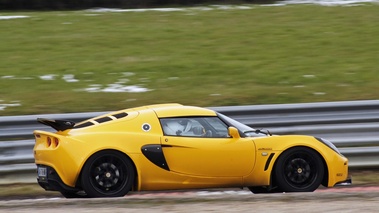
353, 126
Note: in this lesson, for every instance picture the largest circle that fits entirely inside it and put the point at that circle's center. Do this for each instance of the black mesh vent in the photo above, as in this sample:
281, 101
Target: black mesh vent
120, 115
83, 125
104, 119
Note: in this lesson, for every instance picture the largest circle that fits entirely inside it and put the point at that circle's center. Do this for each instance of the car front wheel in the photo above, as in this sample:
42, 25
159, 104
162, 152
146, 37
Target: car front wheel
107, 174
299, 169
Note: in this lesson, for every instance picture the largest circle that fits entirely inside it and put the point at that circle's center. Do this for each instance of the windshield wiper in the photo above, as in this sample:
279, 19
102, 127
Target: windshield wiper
257, 131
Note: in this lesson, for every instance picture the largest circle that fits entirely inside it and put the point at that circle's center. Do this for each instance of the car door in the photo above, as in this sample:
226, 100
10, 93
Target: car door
205, 148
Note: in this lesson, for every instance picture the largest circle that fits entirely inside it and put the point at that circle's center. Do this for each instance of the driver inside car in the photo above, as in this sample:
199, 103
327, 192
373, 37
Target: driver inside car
183, 127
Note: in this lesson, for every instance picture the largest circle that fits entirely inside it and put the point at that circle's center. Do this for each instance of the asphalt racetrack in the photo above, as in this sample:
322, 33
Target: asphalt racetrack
347, 199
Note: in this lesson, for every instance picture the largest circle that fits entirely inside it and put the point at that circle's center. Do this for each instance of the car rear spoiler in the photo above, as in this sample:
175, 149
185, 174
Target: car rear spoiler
59, 125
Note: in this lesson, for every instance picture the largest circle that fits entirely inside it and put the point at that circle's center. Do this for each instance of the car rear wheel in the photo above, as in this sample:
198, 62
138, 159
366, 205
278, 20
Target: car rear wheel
299, 170
107, 174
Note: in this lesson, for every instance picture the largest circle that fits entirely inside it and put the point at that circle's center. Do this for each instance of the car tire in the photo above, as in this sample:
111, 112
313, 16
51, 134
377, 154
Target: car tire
299, 169
107, 174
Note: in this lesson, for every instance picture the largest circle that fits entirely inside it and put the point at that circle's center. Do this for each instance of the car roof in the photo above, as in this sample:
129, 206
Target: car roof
161, 111
178, 110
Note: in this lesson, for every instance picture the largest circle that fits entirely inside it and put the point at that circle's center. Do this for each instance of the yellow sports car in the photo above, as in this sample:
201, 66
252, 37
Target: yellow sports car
171, 146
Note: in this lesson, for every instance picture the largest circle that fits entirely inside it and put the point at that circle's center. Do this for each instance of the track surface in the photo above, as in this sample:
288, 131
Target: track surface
352, 199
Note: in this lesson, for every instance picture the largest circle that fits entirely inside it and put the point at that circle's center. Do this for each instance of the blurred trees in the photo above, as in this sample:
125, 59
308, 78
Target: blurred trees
85, 4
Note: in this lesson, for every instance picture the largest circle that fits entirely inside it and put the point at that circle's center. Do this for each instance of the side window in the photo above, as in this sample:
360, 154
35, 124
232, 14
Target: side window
211, 127
219, 128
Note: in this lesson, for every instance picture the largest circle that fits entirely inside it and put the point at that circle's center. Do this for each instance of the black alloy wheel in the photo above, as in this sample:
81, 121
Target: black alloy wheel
299, 169
107, 174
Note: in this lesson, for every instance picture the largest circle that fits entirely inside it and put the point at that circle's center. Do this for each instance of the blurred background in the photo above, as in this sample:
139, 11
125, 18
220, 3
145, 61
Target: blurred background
65, 59
90, 56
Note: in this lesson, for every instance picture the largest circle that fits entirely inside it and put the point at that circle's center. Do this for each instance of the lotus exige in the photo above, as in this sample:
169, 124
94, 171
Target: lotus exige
171, 146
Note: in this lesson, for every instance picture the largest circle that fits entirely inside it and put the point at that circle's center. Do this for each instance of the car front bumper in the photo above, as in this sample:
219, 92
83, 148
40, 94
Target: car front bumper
347, 182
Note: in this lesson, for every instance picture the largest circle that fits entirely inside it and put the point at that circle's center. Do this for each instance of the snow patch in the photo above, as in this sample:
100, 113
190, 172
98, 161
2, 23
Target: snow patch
12, 77
118, 86
128, 74
12, 104
112, 88
48, 77
203, 8
319, 93
12, 17
69, 78
173, 78
91, 14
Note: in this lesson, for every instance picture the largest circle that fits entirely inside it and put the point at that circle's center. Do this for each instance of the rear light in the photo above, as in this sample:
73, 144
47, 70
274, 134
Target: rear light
48, 142
56, 142
52, 142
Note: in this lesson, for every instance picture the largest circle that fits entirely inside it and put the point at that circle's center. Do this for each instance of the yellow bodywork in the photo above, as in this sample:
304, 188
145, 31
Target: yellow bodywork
193, 162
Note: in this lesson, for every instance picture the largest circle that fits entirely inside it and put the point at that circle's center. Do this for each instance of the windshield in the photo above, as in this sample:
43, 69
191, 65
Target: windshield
244, 129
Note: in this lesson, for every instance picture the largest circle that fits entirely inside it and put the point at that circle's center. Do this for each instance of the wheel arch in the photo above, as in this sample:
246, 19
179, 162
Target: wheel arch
326, 170
135, 181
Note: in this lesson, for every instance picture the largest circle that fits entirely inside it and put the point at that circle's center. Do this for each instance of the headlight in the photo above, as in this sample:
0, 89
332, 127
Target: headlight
329, 144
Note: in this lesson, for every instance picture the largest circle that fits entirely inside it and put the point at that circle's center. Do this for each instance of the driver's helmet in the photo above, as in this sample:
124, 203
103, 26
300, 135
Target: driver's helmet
173, 127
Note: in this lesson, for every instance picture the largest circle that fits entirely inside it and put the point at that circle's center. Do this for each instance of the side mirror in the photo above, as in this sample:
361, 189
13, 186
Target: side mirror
233, 132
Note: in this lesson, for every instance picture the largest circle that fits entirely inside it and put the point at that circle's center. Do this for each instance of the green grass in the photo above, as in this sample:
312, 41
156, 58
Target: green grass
264, 55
